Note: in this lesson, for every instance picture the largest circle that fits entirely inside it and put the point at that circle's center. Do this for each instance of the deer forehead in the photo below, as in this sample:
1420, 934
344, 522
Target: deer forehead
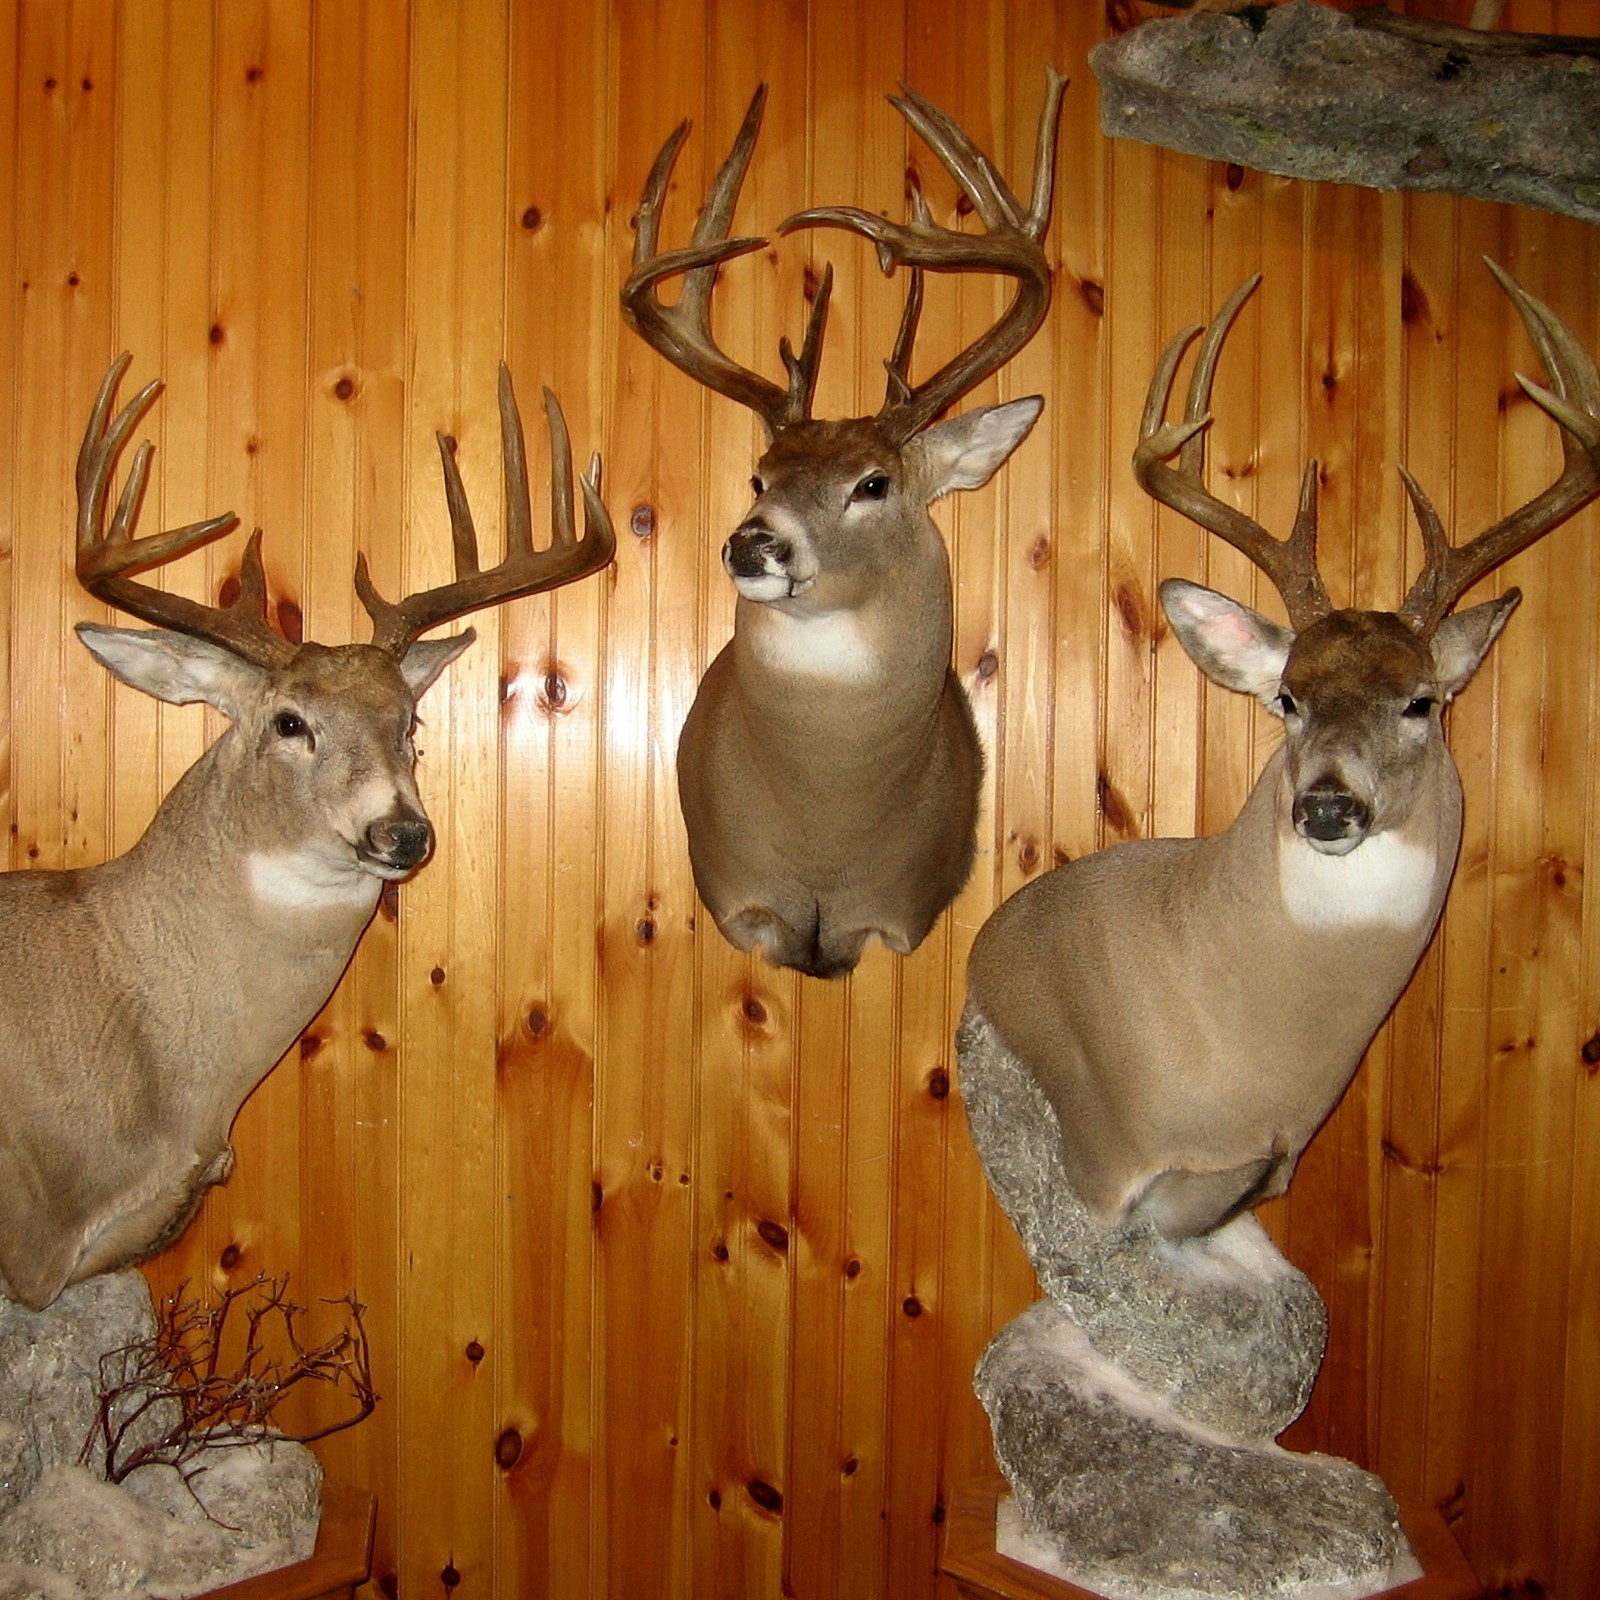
826, 452
355, 682
1349, 660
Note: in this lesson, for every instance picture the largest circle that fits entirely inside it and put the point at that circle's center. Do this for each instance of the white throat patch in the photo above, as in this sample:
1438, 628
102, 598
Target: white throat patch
307, 880
832, 645
1385, 881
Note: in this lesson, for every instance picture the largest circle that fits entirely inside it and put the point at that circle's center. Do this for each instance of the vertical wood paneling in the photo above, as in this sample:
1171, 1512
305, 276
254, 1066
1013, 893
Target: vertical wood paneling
561, 332
646, 1105
449, 1341
10, 88
675, 1265
63, 259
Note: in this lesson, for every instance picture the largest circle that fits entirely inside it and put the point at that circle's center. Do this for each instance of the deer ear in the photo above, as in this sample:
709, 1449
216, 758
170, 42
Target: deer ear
427, 658
174, 667
966, 451
1234, 646
1463, 639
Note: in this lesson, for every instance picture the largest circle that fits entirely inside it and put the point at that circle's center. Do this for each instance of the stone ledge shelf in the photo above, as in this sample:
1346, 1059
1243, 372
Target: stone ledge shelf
1366, 97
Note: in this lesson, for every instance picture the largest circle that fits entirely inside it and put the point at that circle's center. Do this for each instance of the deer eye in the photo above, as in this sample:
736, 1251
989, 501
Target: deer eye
1421, 706
290, 725
1287, 703
873, 487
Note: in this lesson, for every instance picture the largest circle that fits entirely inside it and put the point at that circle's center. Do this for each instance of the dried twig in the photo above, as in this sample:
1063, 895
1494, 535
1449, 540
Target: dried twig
169, 1398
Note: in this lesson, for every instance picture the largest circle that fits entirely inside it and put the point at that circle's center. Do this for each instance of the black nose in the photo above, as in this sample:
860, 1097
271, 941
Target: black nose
751, 551
1329, 814
403, 843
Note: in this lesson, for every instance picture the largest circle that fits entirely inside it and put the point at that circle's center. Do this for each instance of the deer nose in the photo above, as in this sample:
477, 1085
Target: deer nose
400, 842
1330, 814
754, 551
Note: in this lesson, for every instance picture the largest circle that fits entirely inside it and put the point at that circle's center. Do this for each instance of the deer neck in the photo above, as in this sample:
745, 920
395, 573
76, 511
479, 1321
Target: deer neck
288, 921
830, 731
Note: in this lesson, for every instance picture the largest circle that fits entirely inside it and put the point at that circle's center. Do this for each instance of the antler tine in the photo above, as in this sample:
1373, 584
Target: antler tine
966, 163
108, 558
1290, 563
898, 366
1573, 403
682, 332
1011, 245
397, 625
802, 369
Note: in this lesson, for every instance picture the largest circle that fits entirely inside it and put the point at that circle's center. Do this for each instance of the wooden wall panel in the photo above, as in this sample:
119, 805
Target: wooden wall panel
676, 1266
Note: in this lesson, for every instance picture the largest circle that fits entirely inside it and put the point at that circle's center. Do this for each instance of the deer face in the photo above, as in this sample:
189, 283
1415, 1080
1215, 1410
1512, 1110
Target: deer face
1360, 697
830, 517
321, 756
1360, 694
841, 508
331, 741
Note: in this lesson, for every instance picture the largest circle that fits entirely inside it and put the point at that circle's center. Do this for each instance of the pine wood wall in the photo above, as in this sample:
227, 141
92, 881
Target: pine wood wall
677, 1265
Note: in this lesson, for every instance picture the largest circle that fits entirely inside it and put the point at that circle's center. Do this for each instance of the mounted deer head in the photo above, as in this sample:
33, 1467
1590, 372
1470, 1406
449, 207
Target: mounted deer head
829, 768
1194, 1008
177, 974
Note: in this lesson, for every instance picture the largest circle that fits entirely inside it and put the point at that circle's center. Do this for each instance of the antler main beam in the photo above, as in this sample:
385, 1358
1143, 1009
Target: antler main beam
397, 625
1573, 403
1011, 245
1290, 563
682, 332
107, 558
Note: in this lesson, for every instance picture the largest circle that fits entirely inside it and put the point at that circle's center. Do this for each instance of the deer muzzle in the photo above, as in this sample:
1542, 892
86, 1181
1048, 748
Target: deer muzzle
1331, 818
398, 845
753, 551
761, 563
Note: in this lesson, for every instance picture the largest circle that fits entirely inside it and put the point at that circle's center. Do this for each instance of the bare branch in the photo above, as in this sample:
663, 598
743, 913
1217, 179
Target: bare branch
178, 1376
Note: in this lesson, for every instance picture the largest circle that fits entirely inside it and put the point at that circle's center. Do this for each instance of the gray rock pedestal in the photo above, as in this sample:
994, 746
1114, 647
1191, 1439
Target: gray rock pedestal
1134, 1408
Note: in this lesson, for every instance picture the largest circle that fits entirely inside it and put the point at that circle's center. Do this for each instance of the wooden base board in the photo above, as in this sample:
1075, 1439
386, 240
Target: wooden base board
341, 1560
981, 1573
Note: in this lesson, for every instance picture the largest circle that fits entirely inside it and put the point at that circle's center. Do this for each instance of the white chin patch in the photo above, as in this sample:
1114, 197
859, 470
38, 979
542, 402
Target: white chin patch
1333, 847
832, 645
769, 586
309, 880
1383, 882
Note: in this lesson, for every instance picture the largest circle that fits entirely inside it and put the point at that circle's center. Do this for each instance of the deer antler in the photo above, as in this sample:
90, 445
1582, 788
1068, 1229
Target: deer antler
108, 558
1449, 571
397, 625
1011, 245
1290, 563
682, 332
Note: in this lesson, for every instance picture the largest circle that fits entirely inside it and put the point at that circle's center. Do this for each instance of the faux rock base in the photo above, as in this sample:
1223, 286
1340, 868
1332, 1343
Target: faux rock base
1307, 91
1134, 1409
1224, 1330
1119, 1495
66, 1534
